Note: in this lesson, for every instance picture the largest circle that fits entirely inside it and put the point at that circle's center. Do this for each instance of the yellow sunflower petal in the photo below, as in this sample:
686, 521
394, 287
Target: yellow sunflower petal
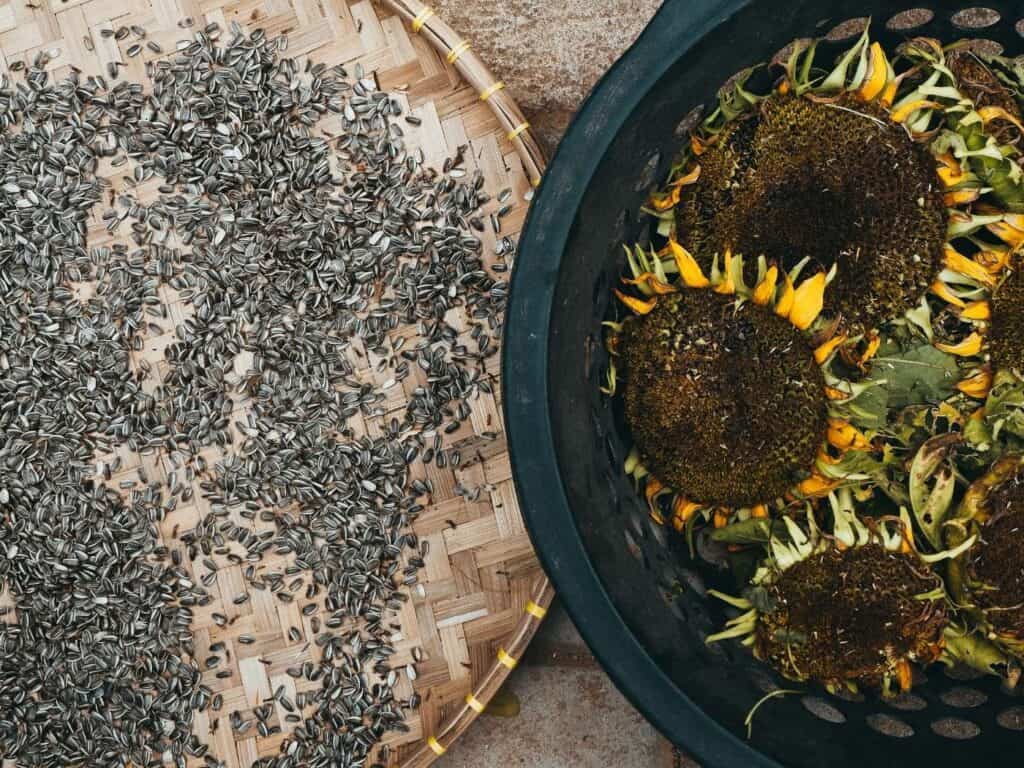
904, 675
727, 285
961, 196
766, 288
689, 269
988, 114
950, 171
652, 489
1008, 233
808, 300
902, 114
759, 511
871, 349
662, 201
889, 94
639, 306
785, 303
824, 351
942, 290
682, 511
836, 394
721, 518
978, 385
697, 146
966, 348
784, 87
907, 544
652, 281
843, 435
690, 178
968, 267
994, 260
817, 485
977, 310
878, 74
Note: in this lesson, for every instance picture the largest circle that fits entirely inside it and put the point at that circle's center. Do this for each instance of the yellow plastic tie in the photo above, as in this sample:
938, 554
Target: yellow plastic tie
535, 610
474, 703
536, 181
460, 48
435, 745
505, 659
421, 18
491, 89
518, 130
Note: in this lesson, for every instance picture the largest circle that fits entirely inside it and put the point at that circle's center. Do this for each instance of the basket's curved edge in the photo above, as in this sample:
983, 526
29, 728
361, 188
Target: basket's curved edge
458, 52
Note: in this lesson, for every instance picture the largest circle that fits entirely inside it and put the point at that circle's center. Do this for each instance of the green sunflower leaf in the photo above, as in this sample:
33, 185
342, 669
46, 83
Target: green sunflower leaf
917, 376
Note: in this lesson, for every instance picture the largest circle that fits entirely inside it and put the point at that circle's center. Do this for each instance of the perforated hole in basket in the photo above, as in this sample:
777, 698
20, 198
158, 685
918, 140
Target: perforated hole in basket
887, 725
1011, 718
963, 697
975, 18
847, 29
956, 728
648, 177
822, 710
910, 19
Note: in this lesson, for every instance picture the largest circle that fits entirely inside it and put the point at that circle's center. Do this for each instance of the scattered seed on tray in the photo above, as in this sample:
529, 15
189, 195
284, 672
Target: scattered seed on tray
297, 266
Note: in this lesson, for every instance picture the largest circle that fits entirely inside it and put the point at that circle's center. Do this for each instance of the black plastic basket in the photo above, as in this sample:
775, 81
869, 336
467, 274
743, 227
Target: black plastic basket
613, 567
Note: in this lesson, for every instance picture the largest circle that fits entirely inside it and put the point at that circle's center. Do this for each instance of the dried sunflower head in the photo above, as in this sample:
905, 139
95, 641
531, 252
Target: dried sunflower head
726, 403
852, 608
989, 577
1006, 324
836, 182
726, 398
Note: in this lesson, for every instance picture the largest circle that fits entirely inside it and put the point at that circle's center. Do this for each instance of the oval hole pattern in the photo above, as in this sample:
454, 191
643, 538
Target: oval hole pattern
688, 123
910, 19
822, 709
648, 176
1011, 719
956, 728
909, 702
887, 725
975, 18
844, 30
963, 697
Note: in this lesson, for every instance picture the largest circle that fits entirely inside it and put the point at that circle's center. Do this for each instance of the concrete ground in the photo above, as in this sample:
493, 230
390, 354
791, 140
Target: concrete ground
549, 53
571, 715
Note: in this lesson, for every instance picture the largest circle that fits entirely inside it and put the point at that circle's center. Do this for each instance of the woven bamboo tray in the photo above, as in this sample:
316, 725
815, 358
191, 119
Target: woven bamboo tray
482, 592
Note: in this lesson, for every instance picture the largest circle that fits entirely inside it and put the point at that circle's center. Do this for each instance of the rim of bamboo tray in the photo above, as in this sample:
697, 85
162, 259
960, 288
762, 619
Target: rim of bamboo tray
458, 52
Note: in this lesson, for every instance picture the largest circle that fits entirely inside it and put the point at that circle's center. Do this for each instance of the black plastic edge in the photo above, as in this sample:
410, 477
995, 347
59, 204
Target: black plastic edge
524, 366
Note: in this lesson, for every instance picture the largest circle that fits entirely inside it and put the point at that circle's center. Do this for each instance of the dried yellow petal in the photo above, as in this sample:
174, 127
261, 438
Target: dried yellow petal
843, 435
785, 303
968, 267
978, 385
878, 74
727, 285
977, 310
943, 291
640, 306
824, 351
902, 114
966, 348
689, 269
808, 300
766, 288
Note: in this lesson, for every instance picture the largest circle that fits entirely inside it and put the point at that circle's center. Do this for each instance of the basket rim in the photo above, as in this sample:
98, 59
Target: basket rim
679, 25
457, 52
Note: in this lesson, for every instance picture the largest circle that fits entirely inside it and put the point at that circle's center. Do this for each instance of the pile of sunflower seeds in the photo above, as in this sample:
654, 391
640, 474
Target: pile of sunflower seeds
295, 253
